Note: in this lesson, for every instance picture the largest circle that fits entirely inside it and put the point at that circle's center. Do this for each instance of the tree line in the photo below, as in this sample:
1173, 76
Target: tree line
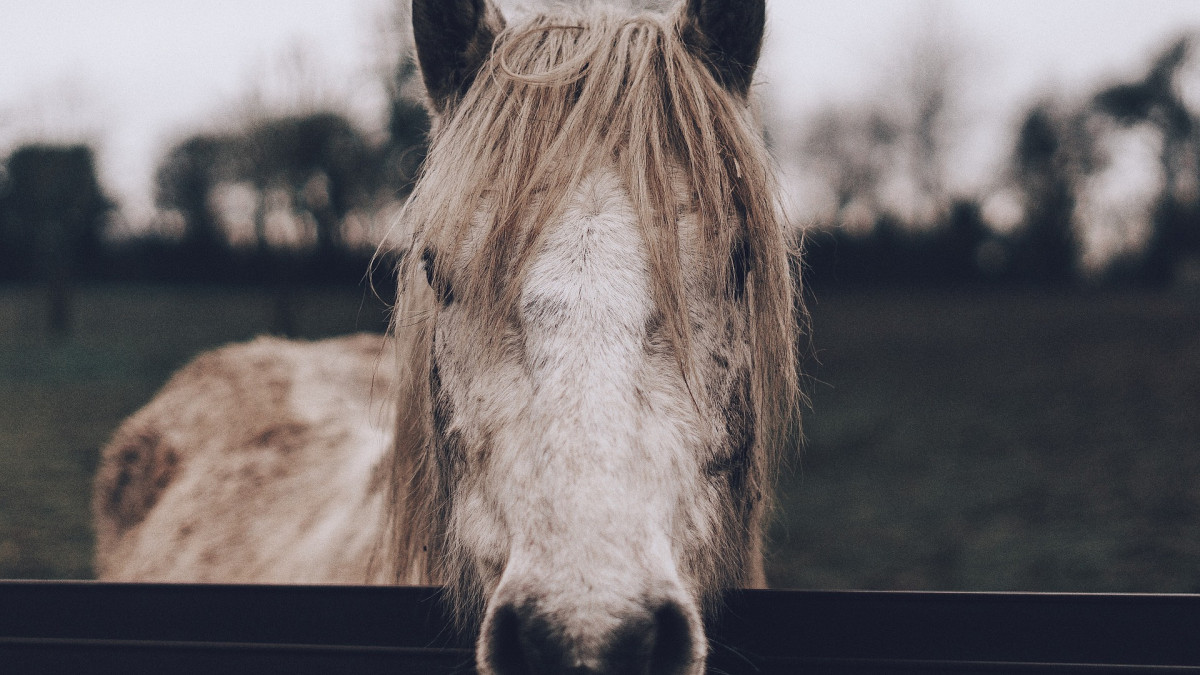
228, 202
275, 199
280, 199
1052, 177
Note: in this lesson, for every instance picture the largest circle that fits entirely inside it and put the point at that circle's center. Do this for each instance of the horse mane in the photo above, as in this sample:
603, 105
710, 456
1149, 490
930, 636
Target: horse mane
562, 94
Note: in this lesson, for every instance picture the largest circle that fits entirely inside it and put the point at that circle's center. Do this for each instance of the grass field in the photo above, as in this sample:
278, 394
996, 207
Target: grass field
1001, 441
998, 442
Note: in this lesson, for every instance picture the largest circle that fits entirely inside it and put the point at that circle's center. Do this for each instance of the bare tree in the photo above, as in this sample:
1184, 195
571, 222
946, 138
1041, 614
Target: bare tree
851, 149
1156, 101
887, 155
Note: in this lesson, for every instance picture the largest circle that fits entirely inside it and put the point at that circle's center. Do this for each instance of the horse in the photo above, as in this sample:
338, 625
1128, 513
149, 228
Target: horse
589, 378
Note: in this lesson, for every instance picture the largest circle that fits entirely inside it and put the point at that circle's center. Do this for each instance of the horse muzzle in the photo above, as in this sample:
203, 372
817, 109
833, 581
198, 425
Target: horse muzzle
526, 634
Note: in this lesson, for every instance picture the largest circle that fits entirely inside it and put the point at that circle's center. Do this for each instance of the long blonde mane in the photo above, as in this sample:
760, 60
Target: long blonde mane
562, 95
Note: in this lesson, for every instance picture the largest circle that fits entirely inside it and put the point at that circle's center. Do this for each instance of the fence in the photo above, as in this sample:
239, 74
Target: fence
88, 627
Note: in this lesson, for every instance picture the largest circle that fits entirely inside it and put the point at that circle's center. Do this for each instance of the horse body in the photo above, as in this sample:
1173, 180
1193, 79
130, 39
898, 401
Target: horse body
592, 363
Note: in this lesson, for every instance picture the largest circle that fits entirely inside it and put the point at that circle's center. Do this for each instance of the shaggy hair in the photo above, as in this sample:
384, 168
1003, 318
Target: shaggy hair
559, 96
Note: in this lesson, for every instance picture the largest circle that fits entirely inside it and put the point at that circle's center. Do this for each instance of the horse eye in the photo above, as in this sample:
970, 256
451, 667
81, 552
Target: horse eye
739, 266
437, 281
427, 257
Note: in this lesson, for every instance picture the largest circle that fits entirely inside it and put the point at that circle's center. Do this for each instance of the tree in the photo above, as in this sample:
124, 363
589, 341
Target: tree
15, 250
924, 110
321, 163
321, 160
54, 196
1052, 154
885, 157
882, 162
852, 151
1156, 100
184, 183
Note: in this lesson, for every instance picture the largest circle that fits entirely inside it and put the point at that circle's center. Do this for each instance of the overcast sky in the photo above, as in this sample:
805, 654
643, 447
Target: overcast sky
131, 75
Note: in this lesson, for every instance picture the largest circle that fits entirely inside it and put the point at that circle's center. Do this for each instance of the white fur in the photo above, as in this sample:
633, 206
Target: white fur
592, 449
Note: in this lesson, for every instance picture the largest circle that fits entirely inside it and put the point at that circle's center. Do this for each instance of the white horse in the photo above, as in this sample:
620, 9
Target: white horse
592, 365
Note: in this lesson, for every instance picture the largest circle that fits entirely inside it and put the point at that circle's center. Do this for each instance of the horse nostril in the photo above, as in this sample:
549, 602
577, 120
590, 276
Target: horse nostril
506, 653
672, 653
658, 641
523, 642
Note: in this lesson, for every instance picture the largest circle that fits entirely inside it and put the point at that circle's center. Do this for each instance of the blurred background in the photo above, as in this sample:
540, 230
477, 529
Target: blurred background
1001, 204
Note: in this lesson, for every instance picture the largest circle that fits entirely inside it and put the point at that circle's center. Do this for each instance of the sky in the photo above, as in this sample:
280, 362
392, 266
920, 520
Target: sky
1016, 46
1012, 53
132, 75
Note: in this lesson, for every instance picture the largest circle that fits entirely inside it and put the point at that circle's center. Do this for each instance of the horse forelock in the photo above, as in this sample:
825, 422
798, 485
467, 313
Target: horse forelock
562, 94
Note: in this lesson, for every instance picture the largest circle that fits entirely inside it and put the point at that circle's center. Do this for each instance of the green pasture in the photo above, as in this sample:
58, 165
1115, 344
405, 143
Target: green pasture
956, 441
1000, 441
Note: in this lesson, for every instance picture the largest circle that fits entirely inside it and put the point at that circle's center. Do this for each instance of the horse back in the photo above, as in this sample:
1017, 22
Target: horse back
258, 462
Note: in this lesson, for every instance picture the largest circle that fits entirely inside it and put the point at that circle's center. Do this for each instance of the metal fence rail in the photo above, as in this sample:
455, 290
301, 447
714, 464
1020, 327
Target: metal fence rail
88, 627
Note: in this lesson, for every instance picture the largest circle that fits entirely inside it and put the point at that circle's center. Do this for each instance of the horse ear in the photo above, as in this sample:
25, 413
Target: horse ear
727, 35
453, 38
